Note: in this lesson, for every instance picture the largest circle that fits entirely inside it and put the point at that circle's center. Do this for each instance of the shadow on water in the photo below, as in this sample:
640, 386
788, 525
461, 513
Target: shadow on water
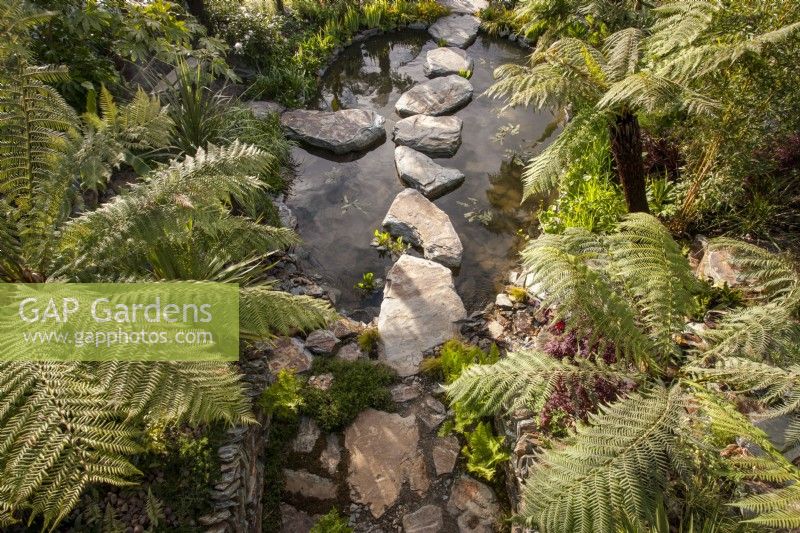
341, 200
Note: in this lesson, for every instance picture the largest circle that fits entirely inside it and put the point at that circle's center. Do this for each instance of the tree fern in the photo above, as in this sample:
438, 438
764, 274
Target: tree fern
617, 466
264, 311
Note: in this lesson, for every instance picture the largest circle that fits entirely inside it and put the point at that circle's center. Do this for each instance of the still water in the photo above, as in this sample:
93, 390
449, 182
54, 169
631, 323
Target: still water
340, 200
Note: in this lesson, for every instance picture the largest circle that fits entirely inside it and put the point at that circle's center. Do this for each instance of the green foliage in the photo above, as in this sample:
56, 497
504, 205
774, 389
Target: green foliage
385, 242
518, 294
331, 522
367, 283
283, 398
484, 451
357, 385
465, 73
368, 340
455, 356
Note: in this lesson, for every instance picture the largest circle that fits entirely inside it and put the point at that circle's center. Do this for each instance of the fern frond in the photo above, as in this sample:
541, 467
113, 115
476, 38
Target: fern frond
264, 313
58, 434
175, 392
767, 331
623, 51
679, 25
652, 93
586, 299
617, 466
776, 509
522, 378
656, 275
773, 277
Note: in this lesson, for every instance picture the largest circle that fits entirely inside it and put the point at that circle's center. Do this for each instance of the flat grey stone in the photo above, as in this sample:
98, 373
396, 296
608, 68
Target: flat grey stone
288, 353
264, 108
435, 136
438, 96
347, 130
350, 352
427, 519
384, 455
294, 520
331, 456
307, 436
422, 224
445, 454
445, 61
474, 504
456, 30
419, 171
420, 310
308, 485
322, 342
465, 6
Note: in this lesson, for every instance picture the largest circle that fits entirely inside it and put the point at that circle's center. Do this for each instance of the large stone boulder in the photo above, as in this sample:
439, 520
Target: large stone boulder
420, 310
446, 61
438, 96
465, 6
308, 485
436, 136
456, 30
419, 171
348, 130
384, 455
422, 224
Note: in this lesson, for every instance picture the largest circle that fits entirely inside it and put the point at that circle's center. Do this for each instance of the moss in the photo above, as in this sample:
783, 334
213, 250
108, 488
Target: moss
357, 385
368, 340
281, 434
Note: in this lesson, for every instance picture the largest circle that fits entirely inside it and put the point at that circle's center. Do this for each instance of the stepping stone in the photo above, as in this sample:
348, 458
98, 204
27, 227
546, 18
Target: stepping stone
420, 310
435, 136
445, 454
456, 30
419, 171
474, 504
348, 130
427, 519
438, 96
308, 485
384, 455
465, 6
422, 224
446, 61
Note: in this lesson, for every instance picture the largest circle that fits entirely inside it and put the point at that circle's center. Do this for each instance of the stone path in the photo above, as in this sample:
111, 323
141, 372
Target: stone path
392, 469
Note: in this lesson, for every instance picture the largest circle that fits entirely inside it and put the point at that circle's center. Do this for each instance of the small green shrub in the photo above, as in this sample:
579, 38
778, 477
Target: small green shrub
368, 340
455, 356
465, 73
282, 399
357, 385
484, 451
441, 42
367, 283
383, 240
332, 522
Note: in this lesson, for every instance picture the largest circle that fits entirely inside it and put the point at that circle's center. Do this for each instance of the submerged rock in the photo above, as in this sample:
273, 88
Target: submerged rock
438, 96
456, 30
420, 172
420, 310
348, 130
384, 455
446, 61
422, 224
435, 136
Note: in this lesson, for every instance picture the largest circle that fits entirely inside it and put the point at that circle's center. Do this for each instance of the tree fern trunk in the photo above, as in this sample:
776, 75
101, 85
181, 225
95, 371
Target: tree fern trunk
626, 145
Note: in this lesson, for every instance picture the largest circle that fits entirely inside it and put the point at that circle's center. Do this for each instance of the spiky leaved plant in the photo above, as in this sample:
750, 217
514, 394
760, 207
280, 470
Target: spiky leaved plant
64, 426
651, 67
633, 290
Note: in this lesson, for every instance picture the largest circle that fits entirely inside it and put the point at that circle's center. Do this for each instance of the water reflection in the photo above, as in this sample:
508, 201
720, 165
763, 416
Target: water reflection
340, 200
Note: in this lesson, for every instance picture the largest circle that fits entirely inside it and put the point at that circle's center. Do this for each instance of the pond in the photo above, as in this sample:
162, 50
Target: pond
340, 200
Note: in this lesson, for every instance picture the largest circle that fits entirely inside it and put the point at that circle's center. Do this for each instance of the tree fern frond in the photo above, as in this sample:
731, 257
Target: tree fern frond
679, 25
623, 50
618, 465
264, 312
776, 509
656, 275
543, 172
763, 331
521, 378
58, 434
772, 276
651, 93
176, 392
586, 299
